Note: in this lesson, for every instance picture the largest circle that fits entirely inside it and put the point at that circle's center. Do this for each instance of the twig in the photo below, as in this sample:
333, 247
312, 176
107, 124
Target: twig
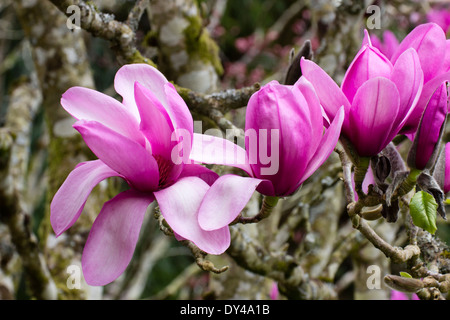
200, 256
396, 254
429, 287
281, 267
354, 211
136, 13
121, 35
176, 283
266, 208
224, 101
347, 174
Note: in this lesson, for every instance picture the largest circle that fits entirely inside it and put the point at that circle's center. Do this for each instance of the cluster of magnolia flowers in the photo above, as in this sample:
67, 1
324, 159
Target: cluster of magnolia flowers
149, 141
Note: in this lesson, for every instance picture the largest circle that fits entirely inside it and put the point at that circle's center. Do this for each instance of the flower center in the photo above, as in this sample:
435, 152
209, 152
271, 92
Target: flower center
164, 168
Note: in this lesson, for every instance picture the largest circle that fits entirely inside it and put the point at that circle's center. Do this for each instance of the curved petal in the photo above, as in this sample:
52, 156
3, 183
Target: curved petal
69, 200
390, 43
330, 95
121, 154
277, 118
428, 40
155, 122
179, 206
374, 108
113, 237
446, 66
214, 150
429, 132
224, 201
315, 109
197, 170
178, 110
148, 76
87, 104
326, 146
408, 77
447, 168
368, 63
428, 91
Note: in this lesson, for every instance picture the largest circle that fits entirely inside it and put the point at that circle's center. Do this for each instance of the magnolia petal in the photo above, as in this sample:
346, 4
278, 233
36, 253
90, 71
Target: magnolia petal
371, 40
197, 170
315, 110
155, 122
428, 40
368, 63
277, 118
408, 77
87, 104
183, 124
113, 237
226, 198
326, 146
446, 66
146, 75
330, 95
69, 200
447, 168
178, 110
390, 43
375, 106
429, 132
125, 156
215, 150
428, 91
179, 205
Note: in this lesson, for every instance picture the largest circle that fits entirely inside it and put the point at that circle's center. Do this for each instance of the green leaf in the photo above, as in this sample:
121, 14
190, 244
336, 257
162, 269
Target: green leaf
423, 208
405, 275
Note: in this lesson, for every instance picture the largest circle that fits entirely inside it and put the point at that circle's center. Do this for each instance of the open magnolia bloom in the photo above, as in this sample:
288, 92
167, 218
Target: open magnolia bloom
145, 140
285, 144
433, 50
378, 96
426, 124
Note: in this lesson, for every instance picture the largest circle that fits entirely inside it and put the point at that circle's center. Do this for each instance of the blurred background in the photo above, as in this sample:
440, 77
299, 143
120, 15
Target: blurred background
234, 44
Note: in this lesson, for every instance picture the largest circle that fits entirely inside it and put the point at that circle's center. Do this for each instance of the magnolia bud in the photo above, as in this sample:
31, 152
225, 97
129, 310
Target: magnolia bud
403, 284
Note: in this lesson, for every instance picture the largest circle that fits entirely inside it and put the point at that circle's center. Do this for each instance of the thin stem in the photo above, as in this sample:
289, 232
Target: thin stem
266, 209
360, 173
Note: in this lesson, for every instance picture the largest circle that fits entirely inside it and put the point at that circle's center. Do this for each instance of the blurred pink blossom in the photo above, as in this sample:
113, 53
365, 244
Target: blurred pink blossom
398, 295
440, 16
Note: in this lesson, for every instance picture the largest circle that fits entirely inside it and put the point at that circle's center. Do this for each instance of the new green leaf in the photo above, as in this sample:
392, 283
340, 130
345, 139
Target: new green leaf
423, 208
405, 275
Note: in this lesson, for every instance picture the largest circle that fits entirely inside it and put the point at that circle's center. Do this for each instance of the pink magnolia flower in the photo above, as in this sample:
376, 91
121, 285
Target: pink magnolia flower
429, 41
427, 138
146, 141
285, 121
378, 96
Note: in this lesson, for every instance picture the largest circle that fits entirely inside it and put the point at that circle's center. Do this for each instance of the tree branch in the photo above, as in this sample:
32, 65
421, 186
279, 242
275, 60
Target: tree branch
120, 35
14, 146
